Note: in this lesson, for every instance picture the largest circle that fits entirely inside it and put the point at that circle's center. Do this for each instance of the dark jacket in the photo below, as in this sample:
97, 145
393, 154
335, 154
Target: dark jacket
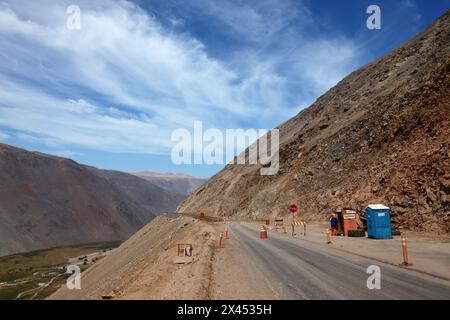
334, 223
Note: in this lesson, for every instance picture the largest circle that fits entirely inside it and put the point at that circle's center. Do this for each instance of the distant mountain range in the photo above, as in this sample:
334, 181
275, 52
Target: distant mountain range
48, 201
174, 182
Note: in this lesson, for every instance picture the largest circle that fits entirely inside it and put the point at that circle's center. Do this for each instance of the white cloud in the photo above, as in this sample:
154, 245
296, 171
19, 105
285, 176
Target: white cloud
325, 62
24, 137
57, 122
176, 23
255, 21
3, 137
62, 153
122, 83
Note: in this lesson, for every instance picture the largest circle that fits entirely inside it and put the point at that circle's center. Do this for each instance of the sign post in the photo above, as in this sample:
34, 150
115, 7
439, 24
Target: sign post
293, 209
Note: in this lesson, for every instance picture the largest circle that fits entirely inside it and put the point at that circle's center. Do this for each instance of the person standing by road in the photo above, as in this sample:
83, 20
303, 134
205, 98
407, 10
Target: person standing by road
334, 224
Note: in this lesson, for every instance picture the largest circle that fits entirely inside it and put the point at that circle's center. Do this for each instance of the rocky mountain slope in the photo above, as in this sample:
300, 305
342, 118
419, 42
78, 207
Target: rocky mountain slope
150, 195
47, 201
174, 182
381, 135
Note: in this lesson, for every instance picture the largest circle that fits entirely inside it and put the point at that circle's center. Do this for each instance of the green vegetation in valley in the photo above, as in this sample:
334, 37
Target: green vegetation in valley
24, 272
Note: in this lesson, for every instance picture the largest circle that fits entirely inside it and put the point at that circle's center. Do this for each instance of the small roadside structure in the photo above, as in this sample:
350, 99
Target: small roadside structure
184, 253
349, 224
279, 224
378, 219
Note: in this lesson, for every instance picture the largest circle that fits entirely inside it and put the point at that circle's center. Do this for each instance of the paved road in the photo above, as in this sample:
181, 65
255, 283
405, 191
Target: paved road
297, 269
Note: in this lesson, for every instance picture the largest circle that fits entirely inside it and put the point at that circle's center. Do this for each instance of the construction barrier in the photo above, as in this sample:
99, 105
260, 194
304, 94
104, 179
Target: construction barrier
279, 224
298, 223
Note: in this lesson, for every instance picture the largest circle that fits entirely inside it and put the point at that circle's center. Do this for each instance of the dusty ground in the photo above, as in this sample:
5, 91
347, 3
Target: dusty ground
236, 276
143, 267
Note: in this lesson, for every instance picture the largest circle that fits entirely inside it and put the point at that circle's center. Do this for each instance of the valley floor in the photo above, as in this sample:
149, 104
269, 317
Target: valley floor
36, 274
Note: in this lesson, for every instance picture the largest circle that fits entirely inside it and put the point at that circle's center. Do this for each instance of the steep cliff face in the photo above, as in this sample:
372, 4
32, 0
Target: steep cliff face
47, 201
380, 136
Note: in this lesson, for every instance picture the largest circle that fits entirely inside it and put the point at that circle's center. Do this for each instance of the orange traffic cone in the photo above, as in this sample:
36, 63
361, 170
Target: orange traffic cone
263, 232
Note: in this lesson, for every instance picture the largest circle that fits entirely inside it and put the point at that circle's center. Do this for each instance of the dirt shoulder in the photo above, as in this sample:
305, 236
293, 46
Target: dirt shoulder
236, 276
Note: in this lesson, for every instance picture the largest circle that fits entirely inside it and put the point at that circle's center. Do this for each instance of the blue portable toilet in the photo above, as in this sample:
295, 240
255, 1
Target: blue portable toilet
378, 219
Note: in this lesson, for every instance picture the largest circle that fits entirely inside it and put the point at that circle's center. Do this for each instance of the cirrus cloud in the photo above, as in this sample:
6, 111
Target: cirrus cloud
124, 81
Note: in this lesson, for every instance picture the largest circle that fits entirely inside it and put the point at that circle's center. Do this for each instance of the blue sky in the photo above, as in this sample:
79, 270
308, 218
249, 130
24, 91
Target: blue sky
111, 93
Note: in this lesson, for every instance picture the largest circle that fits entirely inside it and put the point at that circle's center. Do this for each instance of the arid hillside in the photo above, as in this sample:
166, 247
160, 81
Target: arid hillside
381, 135
47, 201
143, 266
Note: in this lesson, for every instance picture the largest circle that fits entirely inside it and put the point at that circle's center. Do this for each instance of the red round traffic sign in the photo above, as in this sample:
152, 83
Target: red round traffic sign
293, 208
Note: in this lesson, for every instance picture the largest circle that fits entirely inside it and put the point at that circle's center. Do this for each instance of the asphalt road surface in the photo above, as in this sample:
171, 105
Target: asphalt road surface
297, 269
